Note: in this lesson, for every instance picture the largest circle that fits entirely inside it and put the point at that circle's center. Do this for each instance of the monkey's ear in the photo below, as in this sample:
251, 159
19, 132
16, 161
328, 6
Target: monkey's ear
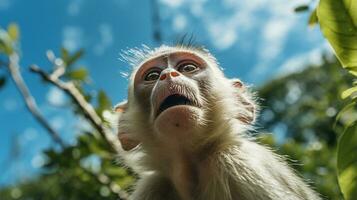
237, 83
125, 138
121, 107
245, 98
127, 143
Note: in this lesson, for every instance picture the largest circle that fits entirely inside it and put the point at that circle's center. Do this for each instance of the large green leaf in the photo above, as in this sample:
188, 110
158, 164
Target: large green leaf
338, 22
347, 162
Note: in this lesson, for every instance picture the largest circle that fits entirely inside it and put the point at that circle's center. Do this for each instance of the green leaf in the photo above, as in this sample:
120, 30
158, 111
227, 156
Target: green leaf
347, 162
64, 55
73, 58
344, 109
70, 59
301, 8
313, 20
103, 102
2, 46
338, 22
348, 92
78, 74
13, 31
2, 81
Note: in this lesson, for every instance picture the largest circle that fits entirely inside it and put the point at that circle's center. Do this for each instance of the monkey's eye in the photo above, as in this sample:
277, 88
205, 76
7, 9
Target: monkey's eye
152, 75
188, 68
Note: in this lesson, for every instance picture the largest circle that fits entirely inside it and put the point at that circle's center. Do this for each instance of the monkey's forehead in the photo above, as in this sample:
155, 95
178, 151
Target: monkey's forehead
137, 56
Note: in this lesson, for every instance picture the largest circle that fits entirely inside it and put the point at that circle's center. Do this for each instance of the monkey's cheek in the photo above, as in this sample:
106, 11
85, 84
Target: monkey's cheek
178, 120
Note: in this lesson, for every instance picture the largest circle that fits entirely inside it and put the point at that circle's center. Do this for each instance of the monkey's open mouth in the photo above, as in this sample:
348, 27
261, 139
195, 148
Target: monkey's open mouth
174, 100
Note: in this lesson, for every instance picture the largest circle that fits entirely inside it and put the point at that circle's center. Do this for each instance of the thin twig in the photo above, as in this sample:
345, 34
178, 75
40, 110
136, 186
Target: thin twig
59, 66
30, 102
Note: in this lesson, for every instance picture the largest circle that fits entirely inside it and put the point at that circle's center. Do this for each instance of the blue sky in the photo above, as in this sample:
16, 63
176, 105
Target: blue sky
255, 40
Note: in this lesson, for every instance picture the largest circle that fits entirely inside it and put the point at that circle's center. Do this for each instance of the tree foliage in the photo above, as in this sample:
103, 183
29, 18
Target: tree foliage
89, 169
306, 104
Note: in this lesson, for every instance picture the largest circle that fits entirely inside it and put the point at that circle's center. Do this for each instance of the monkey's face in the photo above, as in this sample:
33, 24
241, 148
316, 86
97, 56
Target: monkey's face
169, 89
181, 95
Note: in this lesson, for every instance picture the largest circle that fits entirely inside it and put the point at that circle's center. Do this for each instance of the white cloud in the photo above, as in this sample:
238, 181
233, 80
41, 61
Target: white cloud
264, 25
179, 22
30, 134
38, 161
72, 38
74, 7
299, 62
222, 36
58, 122
274, 35
197, 7
172, 3
56, 97
82, 124
242, 18
106, 39
4, 4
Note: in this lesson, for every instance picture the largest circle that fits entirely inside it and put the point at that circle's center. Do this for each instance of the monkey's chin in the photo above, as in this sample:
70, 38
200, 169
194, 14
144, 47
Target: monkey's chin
179, 120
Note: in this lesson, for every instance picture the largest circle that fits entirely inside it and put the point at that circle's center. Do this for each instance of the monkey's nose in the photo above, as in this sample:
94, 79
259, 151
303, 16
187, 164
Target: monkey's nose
172, 74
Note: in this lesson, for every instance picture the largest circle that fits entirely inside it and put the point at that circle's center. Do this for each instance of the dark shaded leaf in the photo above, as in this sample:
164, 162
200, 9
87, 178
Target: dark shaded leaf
64, 55
103, 102
301, 8
69, 59
73, 58
2, 81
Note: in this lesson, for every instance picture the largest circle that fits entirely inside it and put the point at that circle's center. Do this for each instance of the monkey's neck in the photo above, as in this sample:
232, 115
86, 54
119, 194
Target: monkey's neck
186, 166
184, 176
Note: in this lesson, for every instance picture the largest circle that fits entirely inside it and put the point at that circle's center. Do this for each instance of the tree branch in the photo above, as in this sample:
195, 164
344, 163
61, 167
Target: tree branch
30, 102
89, 113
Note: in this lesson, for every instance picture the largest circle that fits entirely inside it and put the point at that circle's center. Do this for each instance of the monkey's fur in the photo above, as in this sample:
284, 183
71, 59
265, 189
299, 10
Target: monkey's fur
212, 158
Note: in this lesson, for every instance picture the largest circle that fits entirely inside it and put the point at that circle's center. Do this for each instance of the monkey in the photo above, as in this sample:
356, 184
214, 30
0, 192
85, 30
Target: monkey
185, 130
